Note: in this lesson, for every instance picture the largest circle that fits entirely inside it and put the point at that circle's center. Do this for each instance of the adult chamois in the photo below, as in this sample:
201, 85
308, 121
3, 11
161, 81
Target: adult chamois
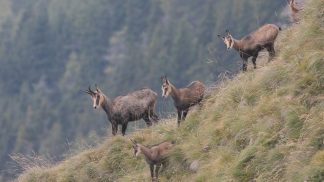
155, 155
183, 98
293, 11
136, 105
250, 45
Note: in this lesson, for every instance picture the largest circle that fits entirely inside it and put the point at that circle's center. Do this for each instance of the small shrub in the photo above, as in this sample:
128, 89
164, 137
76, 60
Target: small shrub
91, 171
243, 171
294, 125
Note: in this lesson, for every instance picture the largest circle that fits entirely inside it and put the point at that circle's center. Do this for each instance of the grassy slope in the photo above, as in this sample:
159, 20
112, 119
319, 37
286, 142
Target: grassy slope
266, 125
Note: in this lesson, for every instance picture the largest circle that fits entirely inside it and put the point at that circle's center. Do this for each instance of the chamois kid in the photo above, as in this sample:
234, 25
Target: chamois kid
250, 45
183, 98
155, 155
134, 106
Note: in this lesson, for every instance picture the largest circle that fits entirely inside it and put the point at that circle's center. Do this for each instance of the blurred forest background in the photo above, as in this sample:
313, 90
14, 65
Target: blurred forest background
50, 50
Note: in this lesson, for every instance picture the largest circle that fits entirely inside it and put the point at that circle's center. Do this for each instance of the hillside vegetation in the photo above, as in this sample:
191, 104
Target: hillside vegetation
50, 50
263, 125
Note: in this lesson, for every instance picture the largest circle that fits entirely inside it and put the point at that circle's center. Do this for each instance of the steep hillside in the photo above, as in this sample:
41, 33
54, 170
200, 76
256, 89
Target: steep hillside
52, 49
263, 125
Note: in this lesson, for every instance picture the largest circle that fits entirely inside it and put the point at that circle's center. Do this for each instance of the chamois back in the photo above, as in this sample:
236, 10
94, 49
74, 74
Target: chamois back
251, 44
135, 105
136, 102
183, 98
155, 155
262, 36
193, 93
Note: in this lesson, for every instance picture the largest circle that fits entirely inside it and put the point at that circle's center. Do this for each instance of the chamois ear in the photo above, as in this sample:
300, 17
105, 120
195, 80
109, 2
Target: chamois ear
219, 36
291, 3
164, 79
167, 81
98, 90
228, 32
86, 91
89, 91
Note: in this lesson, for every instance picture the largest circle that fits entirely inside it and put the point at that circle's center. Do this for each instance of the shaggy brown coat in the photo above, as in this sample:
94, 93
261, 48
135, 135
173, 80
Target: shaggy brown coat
136, 105
183, 98
250, 45
155, 155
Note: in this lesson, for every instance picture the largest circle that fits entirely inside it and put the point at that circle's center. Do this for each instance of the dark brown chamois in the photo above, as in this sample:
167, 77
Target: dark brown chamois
183, 98
250, 45
293, 11
155, 156
136, 105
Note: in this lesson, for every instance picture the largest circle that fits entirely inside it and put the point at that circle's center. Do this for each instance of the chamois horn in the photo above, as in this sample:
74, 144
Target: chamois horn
89, 91
164, 77
97, 88
227, 31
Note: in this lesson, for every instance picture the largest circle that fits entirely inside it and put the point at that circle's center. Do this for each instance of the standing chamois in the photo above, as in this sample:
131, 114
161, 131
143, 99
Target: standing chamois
155, 155
250, 45
183, 98
136, 105
293, 11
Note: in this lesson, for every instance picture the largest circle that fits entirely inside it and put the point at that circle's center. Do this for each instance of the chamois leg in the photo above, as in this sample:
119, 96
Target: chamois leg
124, 127
271, 51
200, 103
114, 128
245, 61
179, 117
244, 67
153, 116
152, 171
185, 112
164, 165
147, 120
254, 61
157, 168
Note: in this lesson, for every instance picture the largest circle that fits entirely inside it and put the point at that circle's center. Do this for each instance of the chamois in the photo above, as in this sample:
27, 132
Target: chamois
293, 11
136, 105
183, 98
252, 44
155, 155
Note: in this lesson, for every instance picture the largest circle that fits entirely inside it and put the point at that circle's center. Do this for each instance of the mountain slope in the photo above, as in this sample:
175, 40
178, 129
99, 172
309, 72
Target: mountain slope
52, 49
263, 125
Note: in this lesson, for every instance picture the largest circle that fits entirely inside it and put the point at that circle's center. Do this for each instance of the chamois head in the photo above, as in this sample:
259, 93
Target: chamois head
291, 3
293, 10
166, 87
228, 40
97, 97
137, 149
293, 6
